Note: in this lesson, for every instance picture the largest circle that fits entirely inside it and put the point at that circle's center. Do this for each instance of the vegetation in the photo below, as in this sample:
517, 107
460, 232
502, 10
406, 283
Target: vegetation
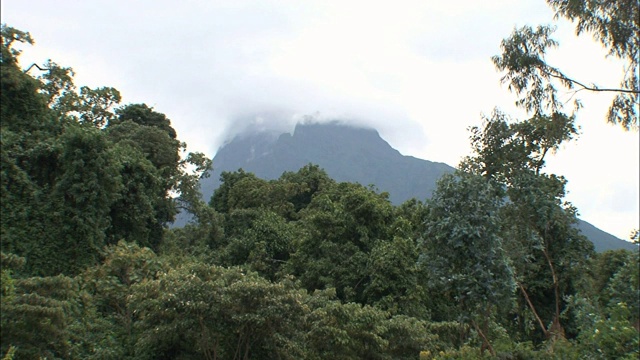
301, 267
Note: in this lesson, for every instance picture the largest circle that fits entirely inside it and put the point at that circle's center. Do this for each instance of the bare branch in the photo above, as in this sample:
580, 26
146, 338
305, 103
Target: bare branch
562, 77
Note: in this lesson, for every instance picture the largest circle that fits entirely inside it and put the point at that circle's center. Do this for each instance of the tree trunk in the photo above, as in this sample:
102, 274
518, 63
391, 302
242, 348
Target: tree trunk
485, 341
556, 331
533, 309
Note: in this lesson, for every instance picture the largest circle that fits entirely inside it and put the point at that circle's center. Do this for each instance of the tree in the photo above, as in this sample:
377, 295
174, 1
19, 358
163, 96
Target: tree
77, 174
336, 330
624, 287
148, 142
201, 311
133, 214
21, 106
541, 239
80, 201
395, 278
35, 312
258, 239
105, 322
615, 24
463, 249
310, 180
604, 267
57, 177
342, 225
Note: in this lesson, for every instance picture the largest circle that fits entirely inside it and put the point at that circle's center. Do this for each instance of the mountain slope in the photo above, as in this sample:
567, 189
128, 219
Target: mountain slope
602, 240
347, 154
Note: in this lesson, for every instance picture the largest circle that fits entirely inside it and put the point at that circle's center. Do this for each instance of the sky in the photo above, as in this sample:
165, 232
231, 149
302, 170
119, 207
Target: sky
417, 71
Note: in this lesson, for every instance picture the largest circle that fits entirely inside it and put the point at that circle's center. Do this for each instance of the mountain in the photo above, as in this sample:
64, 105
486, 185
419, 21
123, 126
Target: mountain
347, 154
602, 240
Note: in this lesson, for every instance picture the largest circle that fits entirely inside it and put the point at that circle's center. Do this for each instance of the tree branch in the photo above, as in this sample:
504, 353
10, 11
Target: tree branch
585, 87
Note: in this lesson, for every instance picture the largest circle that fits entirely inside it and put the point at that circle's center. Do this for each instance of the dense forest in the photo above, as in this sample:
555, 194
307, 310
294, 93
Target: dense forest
302, 267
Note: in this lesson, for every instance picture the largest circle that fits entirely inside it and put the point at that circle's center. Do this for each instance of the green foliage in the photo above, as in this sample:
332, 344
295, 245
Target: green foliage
624, 287
36, 317
143, 115
9, 37
462, 247
20, 103
395, 278
612, 271
10, 263
203, 311
613, 337
352, 331
407, 336
310, 180
463, 250
241, 190
505, 148
11, 353
546, 250
343, 225
285, 196
616, 25
608, 333
106, 290
260, 239
133, 212
346, 331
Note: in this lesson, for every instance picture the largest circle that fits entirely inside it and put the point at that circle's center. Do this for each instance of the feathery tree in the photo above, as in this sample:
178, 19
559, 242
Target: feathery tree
615, 24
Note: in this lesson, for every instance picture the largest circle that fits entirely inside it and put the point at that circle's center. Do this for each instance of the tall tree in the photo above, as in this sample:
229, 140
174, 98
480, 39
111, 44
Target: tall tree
538, 226
463, 249
615, 24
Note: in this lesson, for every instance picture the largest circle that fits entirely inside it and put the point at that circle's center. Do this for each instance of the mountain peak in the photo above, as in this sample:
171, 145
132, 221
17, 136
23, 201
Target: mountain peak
345, 152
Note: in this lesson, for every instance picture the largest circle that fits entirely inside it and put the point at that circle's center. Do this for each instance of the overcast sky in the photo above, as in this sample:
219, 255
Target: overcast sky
418, 71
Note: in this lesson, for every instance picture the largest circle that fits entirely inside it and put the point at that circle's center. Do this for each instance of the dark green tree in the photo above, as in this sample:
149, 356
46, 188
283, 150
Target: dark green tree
309, 180
336, 330
395, 278
342, 225
259, 239
76, 175
105, 322
463, 250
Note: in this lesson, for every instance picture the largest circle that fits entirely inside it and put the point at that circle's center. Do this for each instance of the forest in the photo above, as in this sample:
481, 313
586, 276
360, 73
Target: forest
302, 267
